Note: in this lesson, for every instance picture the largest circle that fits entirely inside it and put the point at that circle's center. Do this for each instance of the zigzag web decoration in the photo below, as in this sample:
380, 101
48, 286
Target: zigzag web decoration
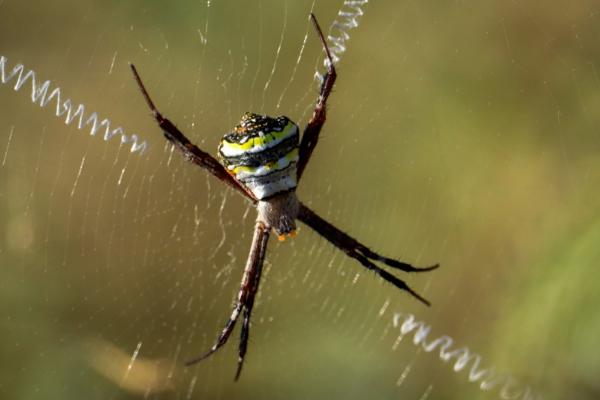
42, 94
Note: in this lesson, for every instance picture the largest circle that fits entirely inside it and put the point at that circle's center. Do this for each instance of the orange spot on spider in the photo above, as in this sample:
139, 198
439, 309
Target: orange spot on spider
282, 238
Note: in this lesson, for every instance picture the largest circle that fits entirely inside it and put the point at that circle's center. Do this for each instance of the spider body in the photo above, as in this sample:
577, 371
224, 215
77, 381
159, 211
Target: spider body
262, 153
263, 159
279, 213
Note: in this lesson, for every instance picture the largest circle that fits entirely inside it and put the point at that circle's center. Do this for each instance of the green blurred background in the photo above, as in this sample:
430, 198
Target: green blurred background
464, 133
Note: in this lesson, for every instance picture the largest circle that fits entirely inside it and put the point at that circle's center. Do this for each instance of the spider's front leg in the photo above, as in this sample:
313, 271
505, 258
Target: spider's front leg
187, 148
246, 296
310, 136
359, 251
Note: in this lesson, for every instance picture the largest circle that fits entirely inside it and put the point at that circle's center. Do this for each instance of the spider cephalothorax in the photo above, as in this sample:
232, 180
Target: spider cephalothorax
263, 161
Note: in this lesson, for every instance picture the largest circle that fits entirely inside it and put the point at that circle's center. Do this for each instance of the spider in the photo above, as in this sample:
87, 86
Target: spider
263, 159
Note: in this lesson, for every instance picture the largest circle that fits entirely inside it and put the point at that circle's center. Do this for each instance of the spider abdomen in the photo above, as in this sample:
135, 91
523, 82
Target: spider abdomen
262, 153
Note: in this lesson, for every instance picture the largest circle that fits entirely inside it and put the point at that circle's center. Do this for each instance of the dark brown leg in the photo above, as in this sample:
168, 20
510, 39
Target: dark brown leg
188, 149
310, 136
245, 332
360, 252
246, 295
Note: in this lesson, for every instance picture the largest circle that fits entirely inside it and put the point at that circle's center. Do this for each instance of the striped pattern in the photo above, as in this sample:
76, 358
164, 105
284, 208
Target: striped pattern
262, 153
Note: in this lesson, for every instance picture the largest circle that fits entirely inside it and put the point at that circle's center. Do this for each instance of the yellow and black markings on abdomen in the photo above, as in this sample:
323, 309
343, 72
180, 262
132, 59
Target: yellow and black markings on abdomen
262, 153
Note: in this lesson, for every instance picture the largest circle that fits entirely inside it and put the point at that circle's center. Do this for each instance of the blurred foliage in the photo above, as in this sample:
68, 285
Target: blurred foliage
558, 302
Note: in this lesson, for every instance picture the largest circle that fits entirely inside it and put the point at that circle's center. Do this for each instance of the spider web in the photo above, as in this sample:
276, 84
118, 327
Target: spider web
459, 133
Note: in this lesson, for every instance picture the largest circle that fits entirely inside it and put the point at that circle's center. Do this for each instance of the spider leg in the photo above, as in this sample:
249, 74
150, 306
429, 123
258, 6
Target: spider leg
243, 346
225, 333
390, 262
399, 283
246, 295
360, 252
187, 148
313, 128
245, 332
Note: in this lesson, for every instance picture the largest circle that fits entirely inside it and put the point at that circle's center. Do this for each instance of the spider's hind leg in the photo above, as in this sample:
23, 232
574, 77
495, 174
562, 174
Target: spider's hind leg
245, 301
245, 333
390, 262
399, 283
353, 248
222, 337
